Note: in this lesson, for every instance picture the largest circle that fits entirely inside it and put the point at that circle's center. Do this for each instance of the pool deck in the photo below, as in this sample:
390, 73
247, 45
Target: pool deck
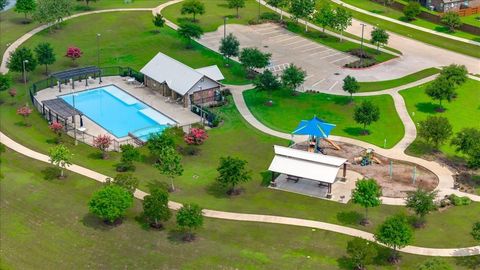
183, 116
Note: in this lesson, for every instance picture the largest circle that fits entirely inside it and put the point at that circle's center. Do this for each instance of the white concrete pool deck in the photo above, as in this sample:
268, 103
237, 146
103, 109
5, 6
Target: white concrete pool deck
183, 116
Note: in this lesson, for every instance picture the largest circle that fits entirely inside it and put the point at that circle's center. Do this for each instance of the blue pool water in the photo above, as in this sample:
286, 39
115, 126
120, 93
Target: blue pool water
118, 112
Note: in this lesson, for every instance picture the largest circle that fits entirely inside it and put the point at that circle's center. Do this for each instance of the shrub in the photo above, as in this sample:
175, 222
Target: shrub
189, 150
362, 63
129, 155
110, 203
269, 16
459, 201
196, 136
361, 53
103, 142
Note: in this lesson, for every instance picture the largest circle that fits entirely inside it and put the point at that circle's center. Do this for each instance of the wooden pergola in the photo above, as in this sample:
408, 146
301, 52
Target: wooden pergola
76, 73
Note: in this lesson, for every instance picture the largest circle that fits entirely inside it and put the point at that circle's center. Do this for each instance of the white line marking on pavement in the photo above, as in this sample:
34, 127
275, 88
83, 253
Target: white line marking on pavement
329, 55
318, 82
333, 85
304, 45
340, 59
285, 39
327, 50
312, 49
288, 44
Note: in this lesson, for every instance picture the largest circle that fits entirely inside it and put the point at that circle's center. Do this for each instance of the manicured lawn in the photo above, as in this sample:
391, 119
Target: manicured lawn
398, 15
446, 43
462, 112
288, 110
235, 137
133, 44
382, 85
46, 225
472, 19
215, 12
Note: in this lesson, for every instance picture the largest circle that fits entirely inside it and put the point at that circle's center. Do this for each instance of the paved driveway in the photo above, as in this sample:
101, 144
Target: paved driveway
320, 62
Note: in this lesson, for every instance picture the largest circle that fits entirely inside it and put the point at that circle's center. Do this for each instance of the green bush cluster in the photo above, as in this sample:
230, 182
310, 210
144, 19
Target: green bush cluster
459, 201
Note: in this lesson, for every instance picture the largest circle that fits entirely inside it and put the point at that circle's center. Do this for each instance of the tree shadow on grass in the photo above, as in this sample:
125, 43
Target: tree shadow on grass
470, 262
354, 131
383, 254
95, 155
427, 107
176, 236
50, 173
349, 218
92, 221
345, 262
342, 100
216, 190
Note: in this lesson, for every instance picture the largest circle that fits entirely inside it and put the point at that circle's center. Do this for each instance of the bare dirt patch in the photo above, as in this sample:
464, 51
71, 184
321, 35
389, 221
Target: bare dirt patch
402, 176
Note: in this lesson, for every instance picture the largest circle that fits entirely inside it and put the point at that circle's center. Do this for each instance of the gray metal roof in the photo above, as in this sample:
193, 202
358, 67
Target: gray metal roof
71, 73
61, 107
178, 76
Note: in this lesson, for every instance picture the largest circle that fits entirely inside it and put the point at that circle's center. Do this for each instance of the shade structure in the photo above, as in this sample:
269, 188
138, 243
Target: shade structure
314, 127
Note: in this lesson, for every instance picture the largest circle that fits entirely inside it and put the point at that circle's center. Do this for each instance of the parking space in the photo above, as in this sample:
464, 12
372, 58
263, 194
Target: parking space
323, 64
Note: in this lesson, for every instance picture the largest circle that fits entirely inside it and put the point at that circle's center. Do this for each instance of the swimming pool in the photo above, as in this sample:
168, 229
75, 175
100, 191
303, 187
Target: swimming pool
118, 112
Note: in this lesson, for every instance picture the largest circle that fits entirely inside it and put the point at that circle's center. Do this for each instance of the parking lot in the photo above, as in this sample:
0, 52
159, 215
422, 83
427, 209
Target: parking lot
323, 64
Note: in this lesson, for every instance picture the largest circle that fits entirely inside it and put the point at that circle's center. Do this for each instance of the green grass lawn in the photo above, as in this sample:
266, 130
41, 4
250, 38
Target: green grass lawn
46, 225
461, 112
472, 19
235, 137
442, 42
398, 15
288, 110
382, 85
215, 12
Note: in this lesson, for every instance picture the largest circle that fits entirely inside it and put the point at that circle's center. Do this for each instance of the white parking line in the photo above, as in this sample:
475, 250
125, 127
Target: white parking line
284, 39
337, 53
281, 36
271, 32
312, 49
333, 85
318, 82
288, 44
339, 59
305, 45
327, 50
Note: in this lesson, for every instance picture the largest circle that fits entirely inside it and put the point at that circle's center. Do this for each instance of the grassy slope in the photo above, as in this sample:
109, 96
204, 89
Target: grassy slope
449, 44
287, 111
46, 225
398, 15
12, 28
382, 85
461, 112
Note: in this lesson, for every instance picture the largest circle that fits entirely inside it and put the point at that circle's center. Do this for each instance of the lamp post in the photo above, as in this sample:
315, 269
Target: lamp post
74, 120
361, 42
24, 71
258, 19
98, 49
225, 26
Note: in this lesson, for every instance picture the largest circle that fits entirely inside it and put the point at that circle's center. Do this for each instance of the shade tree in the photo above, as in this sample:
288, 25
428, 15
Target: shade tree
252, 58
302, 9
45, 55
441, 89
20, 58
367, 194
125, 180
456, 74
229, 46
61, 157
267, 81
26, 7
293, 77
158, 21
189, 218
412, 10
169, 164
236, 4
396, 233
422, 202
379, 37
452, 20
193, 7
280, 4
467, 142
159, 141
155, 207
325, 16
52, 12
435, 130
190, 31
351, 86
129, 154
231, 172
110, 203
5, 82
365, 114
361, 252
342, 20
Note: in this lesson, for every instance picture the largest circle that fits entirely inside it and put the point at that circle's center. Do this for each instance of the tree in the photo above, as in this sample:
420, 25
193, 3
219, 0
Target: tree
231, 172
189, 218
365, 114
434, 264
155, 207
129, 155
325, 16
293, 77
126, 181
88, 1
266, 81
452, 20
110, 203
435, 130
379, 37
367, 193
441, 89
19, 58
103, 142
456, 74
5, 82
25, 112
169, 164
45, 55
73, 53
193, 7
190, 31
56, 128
60, 156
412, 10
421, 202
253, 58
395, 232
302, 9
361, 252
229, 46
26, 7
280, 4
3, 4
342, 20
476, 231
159, 141
236, 4
467, 141
196, 136
52, 11
351, 86
158, 21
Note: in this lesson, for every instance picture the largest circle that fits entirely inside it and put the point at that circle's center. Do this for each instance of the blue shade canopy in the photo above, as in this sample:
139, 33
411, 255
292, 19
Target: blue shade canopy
314, 127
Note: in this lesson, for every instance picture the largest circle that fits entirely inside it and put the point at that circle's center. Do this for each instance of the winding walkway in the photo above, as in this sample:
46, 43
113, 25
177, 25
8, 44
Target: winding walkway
438, 252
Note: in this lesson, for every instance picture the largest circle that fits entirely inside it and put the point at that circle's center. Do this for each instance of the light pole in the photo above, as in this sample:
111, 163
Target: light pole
258, 19
74, 120
361, 42
24, 62
225, 26
98, 49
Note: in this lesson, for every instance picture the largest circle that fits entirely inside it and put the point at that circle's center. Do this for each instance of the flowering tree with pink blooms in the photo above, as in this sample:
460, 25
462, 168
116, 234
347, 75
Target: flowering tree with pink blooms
103, 142
73, 53
56, 128
196, 136
25, 112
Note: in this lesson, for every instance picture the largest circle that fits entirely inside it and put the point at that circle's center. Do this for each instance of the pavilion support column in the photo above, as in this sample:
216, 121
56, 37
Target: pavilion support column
81, 121
100, 77
329, 194
272, 182
86, 81
344, 170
